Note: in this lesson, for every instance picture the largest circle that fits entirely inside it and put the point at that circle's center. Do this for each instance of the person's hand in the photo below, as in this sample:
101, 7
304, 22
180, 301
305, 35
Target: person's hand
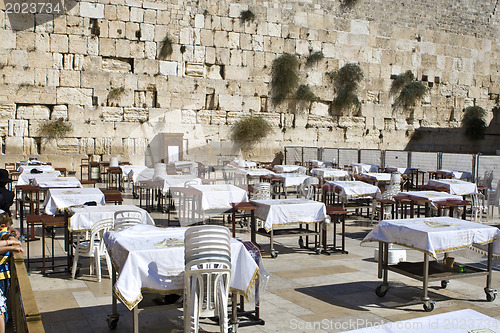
14, 231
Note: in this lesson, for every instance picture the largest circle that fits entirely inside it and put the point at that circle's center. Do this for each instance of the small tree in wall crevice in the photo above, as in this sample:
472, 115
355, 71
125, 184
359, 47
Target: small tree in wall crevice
474, 123
346, 82
285, 77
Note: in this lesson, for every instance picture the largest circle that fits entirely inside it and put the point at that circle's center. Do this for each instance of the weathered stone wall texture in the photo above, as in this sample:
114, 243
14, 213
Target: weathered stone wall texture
99, 66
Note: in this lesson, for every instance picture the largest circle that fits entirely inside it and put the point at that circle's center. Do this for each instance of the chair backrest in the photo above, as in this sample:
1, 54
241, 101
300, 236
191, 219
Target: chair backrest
497, 192
126, 218
192, 182
98, 230
261, 191
302, 170
306, 189
487, 179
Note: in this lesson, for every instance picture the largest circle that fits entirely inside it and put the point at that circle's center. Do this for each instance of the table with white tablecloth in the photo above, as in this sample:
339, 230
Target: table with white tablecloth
149, 258
41, 167
277, 212
26, 178
128, 169
375, 177
175, 180
220, 197
330, 173
286, 168
457, 174
82, 218
353, 189
55, 182
58, 199
434, 236
364, 167
454, 186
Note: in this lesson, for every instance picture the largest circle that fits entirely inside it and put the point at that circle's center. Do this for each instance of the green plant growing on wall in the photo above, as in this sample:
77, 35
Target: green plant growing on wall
408, 90
346, 82
55, 128
347, 4
166, 47
314, 58
474, 124
115, 93
249, 130
304, 93
246, 16
285, 77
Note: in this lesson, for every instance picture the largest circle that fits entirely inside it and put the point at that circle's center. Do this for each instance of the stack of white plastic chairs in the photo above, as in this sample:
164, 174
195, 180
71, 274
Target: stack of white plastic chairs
207, 255
261, 191
392, 189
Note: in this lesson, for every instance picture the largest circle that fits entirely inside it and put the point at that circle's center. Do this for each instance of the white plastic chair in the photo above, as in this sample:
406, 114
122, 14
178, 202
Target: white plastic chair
207, 275
126, 218
306, 189
94, 248
486, 180
192, 182
478, 206
302, 170
392, 189
494, 200
261, 191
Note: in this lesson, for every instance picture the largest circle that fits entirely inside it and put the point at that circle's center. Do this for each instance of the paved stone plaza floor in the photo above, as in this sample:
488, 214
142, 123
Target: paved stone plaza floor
306, 292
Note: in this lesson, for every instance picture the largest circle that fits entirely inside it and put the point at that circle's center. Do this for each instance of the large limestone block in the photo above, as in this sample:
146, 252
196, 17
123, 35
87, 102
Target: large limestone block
68, 145
195, 69
33, 112
136, 114
168, 67
320, 109
112, 113
229, 102
59, 111
8, 39
92, 10
18, 127
81, 96
360, 27
351, 122
7, 111
36, 95
14, 145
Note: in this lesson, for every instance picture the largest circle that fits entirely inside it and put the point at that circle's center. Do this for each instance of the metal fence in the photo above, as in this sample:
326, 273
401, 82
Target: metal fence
477, 164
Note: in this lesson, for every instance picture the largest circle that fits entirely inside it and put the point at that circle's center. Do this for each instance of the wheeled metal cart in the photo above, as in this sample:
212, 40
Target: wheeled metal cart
430, 271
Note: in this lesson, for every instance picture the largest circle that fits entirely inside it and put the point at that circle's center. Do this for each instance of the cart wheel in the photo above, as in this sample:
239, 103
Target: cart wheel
274, 254
444, 284
429, 308
381, 291
301, 243
112, 321
491, 296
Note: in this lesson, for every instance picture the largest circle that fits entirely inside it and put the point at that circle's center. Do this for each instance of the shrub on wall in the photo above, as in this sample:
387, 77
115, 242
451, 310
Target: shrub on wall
304, 93
408, 90
314, 58
55, 128
346, 81
166, 47
473, 122
246, 16
285, 77
250, 130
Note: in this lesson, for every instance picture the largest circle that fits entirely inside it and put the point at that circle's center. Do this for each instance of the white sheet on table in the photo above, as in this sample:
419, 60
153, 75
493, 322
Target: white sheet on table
432, 195
460, 321
127, 169
51, 182
330, 173
400, 170
286, 211
220, 196
244, 164
286, 168
175, 180
83, 218
435, 234
454, 186
378, 176
57, 199
28, 168
153, 258
457, 174
292, 179
356, 189
141, 174
363, 167
25, 177
254, 172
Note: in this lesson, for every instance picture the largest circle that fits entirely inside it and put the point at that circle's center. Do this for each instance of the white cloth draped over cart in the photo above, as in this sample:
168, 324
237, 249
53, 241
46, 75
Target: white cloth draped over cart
454, 186
152, 258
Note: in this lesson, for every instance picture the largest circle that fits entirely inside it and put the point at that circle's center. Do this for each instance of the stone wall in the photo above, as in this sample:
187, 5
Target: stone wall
98, 65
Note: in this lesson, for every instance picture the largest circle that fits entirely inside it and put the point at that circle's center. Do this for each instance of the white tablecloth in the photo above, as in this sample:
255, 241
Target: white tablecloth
57, 199
127, 169
454, 186
152, 259
400, 170
288, 211
244, 164
83, 218
435, 235
286, 168
26, 177
356, 189
456, 173
254, 172
330, 173
377, 176
140, 174
220, 196
51, 182
431, 195
28, 168
363, 167
175, 180
461, 321
292, 179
